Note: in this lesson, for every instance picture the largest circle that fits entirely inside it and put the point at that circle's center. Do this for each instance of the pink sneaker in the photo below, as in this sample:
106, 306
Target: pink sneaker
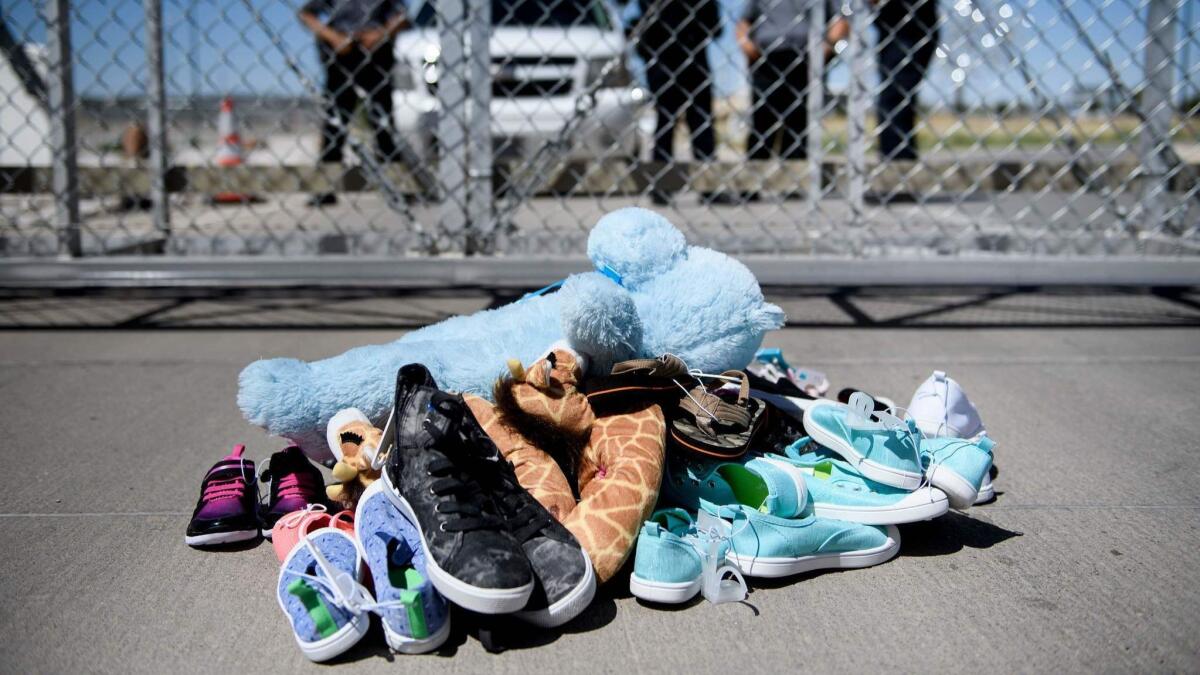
293, 527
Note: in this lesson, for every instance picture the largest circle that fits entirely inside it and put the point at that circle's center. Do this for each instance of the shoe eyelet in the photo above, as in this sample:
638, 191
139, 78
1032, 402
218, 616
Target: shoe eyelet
442, 527
712, 483
431, 491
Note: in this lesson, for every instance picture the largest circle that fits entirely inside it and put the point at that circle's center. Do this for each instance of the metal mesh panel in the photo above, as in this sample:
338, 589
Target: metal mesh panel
897, 129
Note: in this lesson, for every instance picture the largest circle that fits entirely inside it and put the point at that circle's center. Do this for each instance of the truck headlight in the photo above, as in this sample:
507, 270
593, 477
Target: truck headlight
616, 77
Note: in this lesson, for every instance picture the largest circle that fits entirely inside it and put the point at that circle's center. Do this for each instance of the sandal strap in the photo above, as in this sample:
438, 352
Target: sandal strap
702, 405
667, 365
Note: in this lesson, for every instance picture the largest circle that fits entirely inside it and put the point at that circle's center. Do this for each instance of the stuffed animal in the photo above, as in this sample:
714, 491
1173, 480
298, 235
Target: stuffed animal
543, 424
354, 442
651, 294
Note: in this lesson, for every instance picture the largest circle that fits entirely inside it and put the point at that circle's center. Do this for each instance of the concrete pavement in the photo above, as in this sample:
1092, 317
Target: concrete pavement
1087, 561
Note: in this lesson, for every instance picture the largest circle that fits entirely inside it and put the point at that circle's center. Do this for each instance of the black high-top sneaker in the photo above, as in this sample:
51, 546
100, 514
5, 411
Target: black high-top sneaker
563, 571
471, 557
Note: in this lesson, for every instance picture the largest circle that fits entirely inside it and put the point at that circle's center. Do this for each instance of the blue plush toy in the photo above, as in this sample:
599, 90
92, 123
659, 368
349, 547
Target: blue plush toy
653, 294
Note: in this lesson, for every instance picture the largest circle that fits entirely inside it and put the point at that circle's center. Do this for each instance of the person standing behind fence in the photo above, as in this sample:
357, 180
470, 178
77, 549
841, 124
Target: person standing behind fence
908, 34
355, 46
773, 35
673, 37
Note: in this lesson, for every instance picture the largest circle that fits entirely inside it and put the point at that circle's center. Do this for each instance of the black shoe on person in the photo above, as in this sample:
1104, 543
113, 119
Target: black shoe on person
430, 473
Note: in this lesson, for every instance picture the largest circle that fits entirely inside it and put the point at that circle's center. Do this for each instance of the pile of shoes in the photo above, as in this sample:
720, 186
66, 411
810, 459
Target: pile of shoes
447, 522
830, 499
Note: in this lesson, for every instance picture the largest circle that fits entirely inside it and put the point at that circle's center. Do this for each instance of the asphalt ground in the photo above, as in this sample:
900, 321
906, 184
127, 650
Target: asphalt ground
1087, 561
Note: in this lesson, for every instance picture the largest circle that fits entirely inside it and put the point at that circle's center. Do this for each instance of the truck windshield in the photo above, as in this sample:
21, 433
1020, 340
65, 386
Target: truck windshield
534, 13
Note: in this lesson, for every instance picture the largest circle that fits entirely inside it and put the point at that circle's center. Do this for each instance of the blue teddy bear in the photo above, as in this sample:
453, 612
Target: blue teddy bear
653, 294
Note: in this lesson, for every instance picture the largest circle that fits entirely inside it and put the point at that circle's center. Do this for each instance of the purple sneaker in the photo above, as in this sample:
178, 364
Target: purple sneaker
295, 483
228, 499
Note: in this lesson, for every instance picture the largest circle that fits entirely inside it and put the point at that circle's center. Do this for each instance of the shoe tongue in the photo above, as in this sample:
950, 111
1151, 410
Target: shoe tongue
677, 521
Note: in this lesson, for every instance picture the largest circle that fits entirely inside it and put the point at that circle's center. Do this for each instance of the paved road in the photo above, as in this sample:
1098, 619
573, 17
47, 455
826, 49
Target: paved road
1087, 561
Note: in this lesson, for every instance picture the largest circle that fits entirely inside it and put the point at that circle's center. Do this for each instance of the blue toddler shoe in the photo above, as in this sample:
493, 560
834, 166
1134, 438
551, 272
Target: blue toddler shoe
674, 561
880, 446
319, 590
415, 617
836, 490
771, 488
958, 467
764, 545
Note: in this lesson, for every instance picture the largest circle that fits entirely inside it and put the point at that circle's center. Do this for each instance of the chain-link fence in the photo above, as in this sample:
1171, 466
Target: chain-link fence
342, 130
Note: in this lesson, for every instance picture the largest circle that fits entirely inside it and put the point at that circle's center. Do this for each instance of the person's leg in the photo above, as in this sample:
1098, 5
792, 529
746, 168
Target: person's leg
765, 119
794, 144
895, 109
339, 99
699, 108
375, 78
664, 89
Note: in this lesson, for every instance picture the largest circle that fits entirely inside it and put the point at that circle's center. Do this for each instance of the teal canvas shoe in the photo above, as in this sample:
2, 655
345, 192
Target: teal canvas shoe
959, 467
836, 490
674, 561
879, 445
770, 488
765, 545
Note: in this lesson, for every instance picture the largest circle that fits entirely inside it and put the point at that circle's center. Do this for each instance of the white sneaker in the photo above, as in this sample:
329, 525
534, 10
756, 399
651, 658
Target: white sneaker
941, 408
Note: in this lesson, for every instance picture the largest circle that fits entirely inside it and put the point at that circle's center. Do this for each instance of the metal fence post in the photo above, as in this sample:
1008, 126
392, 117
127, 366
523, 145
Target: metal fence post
1155, 137
816, 98
63, 145
856, 114
479, 145
156, 122
452, 121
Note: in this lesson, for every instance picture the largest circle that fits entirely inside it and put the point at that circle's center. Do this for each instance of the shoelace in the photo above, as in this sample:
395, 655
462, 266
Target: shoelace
217, 489
462, 495
296, 484
292, 520
339, 587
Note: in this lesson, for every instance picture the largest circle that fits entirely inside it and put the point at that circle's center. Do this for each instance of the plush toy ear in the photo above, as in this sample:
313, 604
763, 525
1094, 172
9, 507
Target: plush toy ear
632, 245
769, 317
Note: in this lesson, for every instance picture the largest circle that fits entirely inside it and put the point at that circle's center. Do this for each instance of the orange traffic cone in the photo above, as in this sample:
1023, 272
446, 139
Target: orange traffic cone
229, 153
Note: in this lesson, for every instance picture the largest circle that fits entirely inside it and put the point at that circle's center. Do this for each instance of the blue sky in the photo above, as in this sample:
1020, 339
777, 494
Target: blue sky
232, 54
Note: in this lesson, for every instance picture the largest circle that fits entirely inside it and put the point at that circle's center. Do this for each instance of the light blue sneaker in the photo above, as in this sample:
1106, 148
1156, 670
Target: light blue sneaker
958, 467
836, 490
674, 561
764, 545
770, 488
880, 446
415, 617
319, 590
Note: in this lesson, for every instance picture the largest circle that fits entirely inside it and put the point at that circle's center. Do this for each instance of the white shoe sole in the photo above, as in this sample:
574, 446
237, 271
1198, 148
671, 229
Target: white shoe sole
905, 480
218, 538
397, 641
961, 493
924, 504
668, 593
408, 645
346, 637
568, 607
474, 598
753, 566
987, 492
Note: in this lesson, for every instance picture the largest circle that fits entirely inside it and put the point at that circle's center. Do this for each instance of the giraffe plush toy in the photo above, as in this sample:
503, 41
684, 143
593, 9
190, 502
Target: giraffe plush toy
615, 461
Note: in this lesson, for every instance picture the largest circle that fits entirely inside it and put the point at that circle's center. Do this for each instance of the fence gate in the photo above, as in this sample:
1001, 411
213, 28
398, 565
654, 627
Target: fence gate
960, 141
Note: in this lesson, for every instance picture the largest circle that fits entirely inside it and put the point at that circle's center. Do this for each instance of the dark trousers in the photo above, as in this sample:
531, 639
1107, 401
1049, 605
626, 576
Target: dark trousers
344, 75
682, 89
780, 106
902, 66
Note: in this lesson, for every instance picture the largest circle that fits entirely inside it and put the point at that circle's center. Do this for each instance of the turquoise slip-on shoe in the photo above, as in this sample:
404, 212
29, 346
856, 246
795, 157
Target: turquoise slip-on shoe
764, 545
836, 490
959, 467
878, 445
670, 564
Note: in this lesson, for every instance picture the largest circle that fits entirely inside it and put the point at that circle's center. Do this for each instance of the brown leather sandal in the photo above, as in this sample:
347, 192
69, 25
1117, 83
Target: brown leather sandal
638, 381
706, 423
